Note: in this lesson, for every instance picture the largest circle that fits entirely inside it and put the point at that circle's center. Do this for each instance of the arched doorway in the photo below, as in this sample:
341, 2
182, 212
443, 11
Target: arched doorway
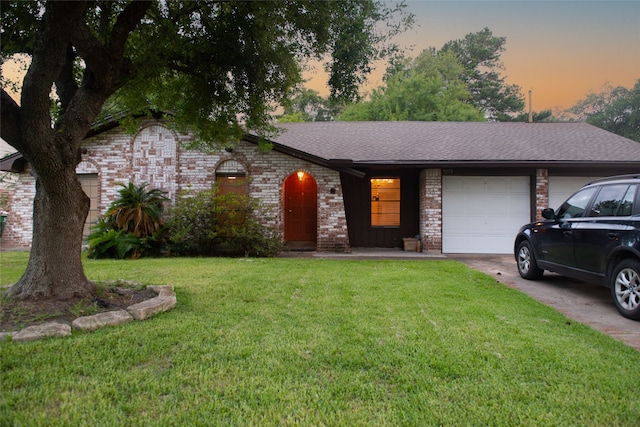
300, 211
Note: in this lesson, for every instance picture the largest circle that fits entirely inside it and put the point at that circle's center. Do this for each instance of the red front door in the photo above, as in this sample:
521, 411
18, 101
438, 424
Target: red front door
300, 218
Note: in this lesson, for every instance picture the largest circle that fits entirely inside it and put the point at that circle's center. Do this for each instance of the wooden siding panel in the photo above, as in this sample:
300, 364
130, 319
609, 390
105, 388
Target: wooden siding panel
357, 200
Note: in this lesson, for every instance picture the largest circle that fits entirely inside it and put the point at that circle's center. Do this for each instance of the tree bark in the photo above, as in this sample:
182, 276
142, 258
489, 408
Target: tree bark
60, 207
55, 268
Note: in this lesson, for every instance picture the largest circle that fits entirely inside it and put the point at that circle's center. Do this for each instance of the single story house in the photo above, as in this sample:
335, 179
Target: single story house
460, 187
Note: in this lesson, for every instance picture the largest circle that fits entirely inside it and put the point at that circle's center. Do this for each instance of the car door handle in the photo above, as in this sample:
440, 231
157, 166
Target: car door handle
613, 236
567, 233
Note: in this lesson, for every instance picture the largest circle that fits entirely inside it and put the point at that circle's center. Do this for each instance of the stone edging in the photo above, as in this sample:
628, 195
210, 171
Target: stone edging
165, 300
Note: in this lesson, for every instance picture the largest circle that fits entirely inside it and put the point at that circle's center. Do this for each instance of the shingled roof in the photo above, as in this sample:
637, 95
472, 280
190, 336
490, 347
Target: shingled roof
445, 144
424, 143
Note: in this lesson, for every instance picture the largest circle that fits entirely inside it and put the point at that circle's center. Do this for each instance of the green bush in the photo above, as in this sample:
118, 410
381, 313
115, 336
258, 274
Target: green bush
207, 223
132, 227
191, 224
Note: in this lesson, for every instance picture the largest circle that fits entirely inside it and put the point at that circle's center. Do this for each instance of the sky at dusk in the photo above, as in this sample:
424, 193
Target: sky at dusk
560, 50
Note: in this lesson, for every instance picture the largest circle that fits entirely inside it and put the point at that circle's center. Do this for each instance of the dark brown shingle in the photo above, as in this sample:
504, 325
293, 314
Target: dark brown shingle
423, 142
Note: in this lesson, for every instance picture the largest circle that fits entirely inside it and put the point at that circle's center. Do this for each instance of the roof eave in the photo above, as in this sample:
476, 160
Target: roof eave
543, 164
340, 167
13, 163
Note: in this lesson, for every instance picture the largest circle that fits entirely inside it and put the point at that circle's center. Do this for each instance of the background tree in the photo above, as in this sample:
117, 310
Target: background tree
616, 109
219, 67
427, 88
537, 116
309, 106
479, 54
452, 84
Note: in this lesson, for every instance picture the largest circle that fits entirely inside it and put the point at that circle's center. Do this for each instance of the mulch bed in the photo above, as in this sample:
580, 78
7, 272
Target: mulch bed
16, 315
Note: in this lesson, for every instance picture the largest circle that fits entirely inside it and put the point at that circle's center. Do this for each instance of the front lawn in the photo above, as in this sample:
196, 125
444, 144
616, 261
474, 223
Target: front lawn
321, 342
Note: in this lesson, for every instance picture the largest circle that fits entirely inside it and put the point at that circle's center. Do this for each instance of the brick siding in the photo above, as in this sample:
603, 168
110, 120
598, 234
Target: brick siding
19, 227
542, 192
156, 155
431, 210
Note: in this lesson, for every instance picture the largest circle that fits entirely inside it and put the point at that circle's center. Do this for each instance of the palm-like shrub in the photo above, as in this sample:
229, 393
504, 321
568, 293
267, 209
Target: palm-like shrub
138, 211
132, 226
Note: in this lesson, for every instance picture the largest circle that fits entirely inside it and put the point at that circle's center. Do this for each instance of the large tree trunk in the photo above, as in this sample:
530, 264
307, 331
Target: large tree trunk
55, 268
60, 207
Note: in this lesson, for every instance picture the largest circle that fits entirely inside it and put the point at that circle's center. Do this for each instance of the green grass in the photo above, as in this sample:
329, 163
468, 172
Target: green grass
313, 342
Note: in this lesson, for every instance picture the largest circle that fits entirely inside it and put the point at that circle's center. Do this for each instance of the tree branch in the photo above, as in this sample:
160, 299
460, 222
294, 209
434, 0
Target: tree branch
48, 59
107, 63
127, 21
105, 66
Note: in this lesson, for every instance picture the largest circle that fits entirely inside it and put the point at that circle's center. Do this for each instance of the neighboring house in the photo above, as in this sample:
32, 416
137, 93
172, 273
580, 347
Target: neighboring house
461, 187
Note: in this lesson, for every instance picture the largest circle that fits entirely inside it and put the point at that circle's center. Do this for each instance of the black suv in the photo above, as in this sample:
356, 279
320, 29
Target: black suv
594, 236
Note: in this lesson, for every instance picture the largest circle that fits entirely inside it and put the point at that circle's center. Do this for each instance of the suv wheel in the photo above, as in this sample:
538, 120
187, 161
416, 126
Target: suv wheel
625, 288
527, 266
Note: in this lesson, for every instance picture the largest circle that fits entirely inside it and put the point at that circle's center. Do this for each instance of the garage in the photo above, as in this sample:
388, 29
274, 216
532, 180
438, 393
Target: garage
561, 187
482, 214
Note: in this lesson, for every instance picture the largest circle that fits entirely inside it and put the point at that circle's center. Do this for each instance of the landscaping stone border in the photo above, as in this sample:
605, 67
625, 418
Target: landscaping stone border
165, 301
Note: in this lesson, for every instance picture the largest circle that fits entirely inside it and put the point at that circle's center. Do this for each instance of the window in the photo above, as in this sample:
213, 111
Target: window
626, 207
575, 206
231, 178
89, 183
614, 200
385, 202
231, 181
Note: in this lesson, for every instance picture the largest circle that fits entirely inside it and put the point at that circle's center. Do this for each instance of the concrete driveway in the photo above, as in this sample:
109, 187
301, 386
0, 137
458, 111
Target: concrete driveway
580, 301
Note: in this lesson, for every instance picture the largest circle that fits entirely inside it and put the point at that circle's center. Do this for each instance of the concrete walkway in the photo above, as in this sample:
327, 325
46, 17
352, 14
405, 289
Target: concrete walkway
580, 301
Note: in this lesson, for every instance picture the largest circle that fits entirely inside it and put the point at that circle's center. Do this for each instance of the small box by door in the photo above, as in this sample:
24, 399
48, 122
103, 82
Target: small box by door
410, 244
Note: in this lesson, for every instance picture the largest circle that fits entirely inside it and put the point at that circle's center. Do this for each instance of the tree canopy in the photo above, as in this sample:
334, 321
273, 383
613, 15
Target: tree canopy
427, 88
479, 53
536, 116
616, 109
218, 67
459, 82
309, 106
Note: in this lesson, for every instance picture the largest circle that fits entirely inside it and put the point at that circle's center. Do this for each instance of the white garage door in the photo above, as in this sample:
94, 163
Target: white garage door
561, 187
482, 214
